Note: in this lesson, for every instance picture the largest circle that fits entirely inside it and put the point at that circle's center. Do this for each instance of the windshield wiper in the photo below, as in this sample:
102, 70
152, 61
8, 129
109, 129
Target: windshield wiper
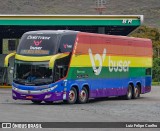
42, 81
19, 81
32, 83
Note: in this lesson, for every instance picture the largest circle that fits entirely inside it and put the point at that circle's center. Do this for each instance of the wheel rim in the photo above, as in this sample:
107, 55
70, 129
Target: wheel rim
83, 95
129, 92
71, 95
136, 92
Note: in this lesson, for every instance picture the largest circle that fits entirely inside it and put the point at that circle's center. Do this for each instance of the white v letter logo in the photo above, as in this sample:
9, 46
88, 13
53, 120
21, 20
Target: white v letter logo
101, 59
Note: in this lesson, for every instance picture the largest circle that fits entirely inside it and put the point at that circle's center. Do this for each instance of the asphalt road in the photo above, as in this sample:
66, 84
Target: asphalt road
144, 109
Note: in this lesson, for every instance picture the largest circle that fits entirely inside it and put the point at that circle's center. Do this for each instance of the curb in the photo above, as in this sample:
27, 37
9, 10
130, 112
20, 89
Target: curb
5, 87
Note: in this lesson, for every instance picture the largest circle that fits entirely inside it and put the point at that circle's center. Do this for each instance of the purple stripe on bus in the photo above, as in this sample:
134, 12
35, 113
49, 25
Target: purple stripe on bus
57, 96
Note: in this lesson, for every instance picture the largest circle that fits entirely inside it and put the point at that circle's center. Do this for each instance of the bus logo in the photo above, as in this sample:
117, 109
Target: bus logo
67, 46
97, 57
37, 43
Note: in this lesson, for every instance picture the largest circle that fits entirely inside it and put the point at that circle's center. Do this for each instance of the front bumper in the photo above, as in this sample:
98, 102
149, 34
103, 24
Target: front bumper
29, 95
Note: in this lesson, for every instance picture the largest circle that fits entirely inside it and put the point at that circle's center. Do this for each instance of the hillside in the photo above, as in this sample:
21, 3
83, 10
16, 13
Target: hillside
149, 8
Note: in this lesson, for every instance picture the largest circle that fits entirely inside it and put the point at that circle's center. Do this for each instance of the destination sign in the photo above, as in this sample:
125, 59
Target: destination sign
42, 52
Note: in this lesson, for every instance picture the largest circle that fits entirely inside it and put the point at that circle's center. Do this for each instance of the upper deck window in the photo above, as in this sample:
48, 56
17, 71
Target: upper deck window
67, 43
38, 44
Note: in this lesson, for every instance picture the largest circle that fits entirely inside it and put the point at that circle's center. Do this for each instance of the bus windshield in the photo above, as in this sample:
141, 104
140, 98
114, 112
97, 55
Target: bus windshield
38, 44
32, 73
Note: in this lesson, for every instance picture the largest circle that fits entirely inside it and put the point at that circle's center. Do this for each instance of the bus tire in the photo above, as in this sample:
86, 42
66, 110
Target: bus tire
136, 93
83, 96
128, 96
36, 102
72, 96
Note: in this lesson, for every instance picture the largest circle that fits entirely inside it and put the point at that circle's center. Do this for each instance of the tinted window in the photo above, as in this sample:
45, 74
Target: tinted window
148, 71
67, 43
38, 44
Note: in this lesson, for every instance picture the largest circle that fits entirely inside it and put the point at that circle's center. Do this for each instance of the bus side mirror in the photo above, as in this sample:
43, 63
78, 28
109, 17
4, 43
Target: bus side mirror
55, 57
6, 63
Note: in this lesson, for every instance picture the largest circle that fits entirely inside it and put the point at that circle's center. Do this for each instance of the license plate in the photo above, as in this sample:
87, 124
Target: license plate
29, 97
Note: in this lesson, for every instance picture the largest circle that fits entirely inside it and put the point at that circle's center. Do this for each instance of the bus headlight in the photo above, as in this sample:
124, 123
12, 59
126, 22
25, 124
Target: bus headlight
49, 89
14, 88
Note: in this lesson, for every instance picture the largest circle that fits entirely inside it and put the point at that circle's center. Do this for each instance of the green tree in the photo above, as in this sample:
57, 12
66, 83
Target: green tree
156, 70
150, 33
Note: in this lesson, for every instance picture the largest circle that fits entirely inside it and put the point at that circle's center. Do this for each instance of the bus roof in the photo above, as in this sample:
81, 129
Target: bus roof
116, 36
85, 33
52, 32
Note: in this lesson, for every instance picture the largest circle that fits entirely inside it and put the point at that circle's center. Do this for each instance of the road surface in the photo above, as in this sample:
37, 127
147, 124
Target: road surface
144, 109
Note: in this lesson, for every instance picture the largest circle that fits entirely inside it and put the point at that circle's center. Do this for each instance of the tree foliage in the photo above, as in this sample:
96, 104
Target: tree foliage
150, 33
156, 70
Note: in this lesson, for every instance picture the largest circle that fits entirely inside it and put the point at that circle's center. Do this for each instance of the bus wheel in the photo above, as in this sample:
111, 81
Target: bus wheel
72, 96
36, 102
83, 97
136, 93
129, 93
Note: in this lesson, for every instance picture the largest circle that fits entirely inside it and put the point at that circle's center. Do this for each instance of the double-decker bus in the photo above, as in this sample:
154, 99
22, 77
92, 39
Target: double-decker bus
74, 66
